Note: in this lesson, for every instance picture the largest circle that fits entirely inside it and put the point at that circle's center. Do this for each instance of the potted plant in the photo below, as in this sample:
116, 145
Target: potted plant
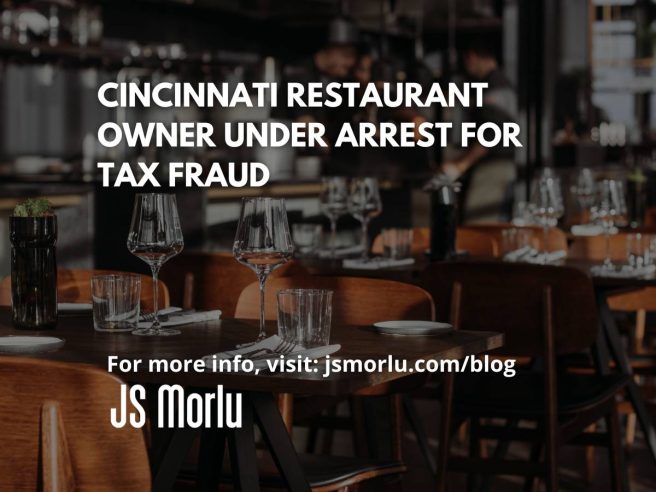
33, 235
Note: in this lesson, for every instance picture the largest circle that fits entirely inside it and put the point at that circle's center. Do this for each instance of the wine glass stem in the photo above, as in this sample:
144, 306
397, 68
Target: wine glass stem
607, 261
365, 239
155, 271
262, 278
333, 237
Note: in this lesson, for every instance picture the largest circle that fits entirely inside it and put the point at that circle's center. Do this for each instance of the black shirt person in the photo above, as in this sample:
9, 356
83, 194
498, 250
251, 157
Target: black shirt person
487, 172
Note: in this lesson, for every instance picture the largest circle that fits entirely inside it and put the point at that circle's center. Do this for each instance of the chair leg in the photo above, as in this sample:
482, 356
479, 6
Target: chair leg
286, 407
619, 479
551, 460
313, 433
536, 451
329, 434
445, 431
631, 421
396, 422
590, 455
419, 431
500, 452
474, 452
640, 328
356, 409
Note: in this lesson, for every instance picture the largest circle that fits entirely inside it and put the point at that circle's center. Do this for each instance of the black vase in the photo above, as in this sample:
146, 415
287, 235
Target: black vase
444, 222
33, 272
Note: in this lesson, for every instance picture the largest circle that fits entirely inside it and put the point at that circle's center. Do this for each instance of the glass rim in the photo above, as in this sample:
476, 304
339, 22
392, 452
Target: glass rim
116, 276
152, 193
298, 291
245, 199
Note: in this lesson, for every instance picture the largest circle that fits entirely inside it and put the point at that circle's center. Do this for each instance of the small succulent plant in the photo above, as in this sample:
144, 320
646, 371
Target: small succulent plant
33, 207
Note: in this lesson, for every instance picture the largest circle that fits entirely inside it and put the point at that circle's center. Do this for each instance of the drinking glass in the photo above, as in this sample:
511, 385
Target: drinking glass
304, 316
306, 237
547, 204
364, 203
515, 239
115, 302
333, 200
155, 237
609, 211
584, 190
397, 243
263, 241
638, 250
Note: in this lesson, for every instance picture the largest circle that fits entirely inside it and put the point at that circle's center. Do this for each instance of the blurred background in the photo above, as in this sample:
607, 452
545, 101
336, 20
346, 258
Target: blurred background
578, 75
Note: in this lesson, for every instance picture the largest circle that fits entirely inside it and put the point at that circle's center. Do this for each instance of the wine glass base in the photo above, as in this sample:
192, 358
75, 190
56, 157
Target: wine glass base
151, 332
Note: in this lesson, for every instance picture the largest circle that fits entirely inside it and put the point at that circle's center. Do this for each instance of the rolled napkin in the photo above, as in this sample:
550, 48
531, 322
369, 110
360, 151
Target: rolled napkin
184, 318
625, 271
376, 263
552, 257
271, 348
518, 254
340, 252
590, 230
530, 255
162, 312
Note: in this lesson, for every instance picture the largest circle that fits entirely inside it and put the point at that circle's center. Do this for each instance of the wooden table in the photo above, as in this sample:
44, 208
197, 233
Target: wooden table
84, 345
609, 344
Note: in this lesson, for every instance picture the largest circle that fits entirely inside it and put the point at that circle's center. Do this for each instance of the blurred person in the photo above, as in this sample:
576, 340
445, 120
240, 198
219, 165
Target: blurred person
334, 61
488, 174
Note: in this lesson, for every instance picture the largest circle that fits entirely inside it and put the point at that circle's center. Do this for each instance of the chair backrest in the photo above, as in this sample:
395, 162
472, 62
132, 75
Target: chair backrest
100, 456
217, 279
594, 247
511, 298
75, 286
556, 238
356, 301
475, 243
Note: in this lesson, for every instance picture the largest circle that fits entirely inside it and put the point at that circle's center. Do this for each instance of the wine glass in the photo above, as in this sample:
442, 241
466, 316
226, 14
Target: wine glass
364, 203
609, 211
263, 241
155, 237
333, 200
584, 189
547, 204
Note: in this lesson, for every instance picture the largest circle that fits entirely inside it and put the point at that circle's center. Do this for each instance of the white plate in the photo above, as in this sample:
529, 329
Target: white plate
74, 307
29, 344
412, 328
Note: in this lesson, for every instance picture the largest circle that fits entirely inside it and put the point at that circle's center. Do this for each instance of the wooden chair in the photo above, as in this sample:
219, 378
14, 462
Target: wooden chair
594, 247
556, 239
212, 280
473, 242
356, 301
75, 286
544, 312
56, 430
638, 302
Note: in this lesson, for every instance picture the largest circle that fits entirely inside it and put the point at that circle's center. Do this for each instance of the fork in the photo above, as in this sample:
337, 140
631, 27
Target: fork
249, 354
283, 349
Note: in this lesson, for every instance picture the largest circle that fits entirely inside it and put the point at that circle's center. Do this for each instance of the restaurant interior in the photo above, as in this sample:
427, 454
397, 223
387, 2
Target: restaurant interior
525, 276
